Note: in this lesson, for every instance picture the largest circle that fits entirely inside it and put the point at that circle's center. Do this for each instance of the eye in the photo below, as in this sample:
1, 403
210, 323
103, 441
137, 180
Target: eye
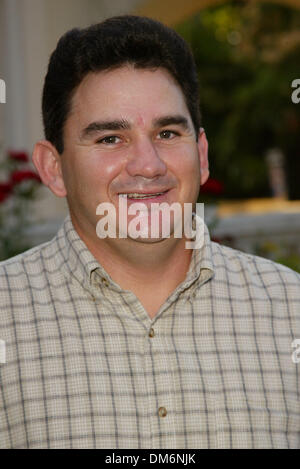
109, 140
167, 134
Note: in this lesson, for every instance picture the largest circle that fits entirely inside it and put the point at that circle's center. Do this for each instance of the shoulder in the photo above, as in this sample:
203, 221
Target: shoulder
255, 270
26, 270
24, 260
28, 284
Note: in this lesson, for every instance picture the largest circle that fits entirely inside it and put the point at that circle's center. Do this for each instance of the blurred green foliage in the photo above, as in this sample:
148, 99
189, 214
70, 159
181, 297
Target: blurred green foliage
248, 54
282, 253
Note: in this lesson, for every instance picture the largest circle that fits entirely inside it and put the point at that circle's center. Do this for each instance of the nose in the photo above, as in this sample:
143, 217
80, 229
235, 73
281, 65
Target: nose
144, 160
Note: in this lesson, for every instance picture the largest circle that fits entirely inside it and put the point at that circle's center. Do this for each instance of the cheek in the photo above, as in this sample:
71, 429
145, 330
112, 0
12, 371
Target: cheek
105, 169
96, 171
184, 164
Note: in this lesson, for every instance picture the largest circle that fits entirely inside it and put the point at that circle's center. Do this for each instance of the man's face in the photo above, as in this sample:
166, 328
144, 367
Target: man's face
129, 132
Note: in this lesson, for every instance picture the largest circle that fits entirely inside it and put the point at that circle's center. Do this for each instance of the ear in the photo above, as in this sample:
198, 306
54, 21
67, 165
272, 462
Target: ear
203, 156
46, 159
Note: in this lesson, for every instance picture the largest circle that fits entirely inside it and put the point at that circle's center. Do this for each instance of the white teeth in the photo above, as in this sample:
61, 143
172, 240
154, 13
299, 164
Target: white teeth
135, 195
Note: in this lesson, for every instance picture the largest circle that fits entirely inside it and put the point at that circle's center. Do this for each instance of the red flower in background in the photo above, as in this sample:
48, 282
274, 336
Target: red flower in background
17, 177
18, 156
212, 186
5, 190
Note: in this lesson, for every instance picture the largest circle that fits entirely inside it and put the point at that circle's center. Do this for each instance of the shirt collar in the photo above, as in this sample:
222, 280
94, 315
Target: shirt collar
201, 268
76, 261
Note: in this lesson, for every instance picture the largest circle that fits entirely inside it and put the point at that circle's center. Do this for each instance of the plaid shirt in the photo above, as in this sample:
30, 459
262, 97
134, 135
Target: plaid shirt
86, 367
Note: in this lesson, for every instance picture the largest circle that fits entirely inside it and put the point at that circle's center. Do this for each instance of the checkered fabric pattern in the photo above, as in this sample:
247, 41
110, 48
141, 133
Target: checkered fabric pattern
86, 367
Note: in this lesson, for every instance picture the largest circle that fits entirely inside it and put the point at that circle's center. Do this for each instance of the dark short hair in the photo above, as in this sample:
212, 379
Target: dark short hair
139, 41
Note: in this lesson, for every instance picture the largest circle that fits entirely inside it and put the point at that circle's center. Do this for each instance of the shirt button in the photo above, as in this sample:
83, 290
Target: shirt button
104, 281
162, 412
151, 332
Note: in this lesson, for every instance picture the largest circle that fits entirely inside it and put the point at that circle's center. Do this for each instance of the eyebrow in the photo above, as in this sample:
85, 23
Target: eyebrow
123, 124
99, 126
172, 120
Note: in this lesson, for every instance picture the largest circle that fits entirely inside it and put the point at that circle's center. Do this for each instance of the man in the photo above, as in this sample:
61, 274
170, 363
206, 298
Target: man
139, 342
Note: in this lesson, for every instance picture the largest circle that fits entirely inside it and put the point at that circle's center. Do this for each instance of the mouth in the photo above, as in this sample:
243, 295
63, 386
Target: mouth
142, 195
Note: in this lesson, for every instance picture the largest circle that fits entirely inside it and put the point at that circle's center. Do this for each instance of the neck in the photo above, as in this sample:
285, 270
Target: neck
140, 267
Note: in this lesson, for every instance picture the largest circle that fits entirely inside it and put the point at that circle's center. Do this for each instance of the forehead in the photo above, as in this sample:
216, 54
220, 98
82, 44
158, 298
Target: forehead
127, 92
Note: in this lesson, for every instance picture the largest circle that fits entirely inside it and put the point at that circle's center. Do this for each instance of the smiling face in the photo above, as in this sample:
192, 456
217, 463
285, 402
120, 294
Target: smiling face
129, 132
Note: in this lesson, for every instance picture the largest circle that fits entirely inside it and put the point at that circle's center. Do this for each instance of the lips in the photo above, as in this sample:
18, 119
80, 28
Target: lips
142, 195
